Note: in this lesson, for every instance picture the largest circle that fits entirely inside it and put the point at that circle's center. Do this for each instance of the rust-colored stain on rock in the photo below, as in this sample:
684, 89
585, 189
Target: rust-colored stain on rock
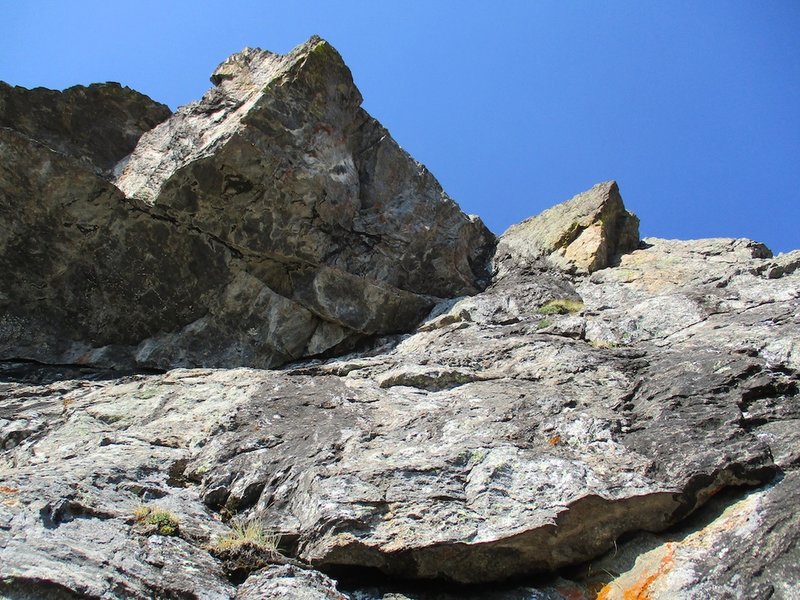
640, 588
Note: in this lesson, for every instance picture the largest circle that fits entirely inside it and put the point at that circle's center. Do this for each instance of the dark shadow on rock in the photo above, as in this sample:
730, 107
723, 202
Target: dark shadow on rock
38, 373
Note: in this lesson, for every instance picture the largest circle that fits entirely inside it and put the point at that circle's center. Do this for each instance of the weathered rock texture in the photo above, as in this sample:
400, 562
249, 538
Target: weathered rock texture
271, 220
572, 430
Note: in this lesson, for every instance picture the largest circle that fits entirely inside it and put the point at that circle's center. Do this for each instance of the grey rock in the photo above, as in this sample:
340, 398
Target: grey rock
308, 180
289, 582
480, 448
271, 220
98, 125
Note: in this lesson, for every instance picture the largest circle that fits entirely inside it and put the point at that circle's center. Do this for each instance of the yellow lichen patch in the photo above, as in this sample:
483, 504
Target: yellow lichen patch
637, 584
560, 306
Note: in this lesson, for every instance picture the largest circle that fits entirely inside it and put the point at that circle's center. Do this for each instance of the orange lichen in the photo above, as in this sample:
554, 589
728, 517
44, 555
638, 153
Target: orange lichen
642, 582
554, 440
4, 489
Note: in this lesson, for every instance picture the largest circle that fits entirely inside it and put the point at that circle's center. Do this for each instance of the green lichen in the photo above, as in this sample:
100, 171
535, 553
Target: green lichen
165, 522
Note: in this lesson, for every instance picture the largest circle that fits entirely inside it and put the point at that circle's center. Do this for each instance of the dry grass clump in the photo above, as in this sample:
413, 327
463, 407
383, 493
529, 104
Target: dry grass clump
248, 547
250, 533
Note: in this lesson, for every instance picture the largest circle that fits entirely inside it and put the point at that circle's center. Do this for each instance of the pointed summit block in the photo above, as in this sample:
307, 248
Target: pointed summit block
280, 160
585, 234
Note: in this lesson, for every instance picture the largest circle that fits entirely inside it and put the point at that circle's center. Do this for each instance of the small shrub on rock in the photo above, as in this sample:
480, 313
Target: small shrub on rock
160, 520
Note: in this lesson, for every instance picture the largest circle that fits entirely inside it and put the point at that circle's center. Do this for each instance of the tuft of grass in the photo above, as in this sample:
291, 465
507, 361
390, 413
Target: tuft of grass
544, 323
164, 521
248, 533
560, 306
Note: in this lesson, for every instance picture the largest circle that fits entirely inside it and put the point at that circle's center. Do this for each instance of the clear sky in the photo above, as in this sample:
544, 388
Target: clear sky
693, 107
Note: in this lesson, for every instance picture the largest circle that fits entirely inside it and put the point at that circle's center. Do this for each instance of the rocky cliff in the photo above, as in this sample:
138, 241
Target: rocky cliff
273, 219
565, 412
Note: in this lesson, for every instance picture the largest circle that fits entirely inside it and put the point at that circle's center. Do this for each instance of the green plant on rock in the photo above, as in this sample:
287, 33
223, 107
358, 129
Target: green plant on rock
165, 522
560, 306
544, 323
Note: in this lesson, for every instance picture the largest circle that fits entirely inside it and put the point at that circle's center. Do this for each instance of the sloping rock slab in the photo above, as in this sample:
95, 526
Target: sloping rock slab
98, 125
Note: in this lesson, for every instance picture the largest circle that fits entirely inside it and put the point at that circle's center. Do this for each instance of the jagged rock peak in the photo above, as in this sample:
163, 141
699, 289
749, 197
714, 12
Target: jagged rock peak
254, 67
240, 65
273, 219
585, 233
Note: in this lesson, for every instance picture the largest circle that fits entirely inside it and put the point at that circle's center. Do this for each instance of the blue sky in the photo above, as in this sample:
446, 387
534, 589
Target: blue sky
693, 107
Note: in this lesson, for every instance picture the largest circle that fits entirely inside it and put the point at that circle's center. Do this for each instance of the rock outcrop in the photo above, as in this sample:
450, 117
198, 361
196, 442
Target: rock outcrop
609, 418
271, 220
586, 233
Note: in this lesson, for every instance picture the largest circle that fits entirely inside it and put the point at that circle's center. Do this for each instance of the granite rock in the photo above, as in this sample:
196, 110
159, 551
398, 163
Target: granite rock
271, 220
587, 233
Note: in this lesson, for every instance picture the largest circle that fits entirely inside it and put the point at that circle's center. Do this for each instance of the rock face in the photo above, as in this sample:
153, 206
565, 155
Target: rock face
608, 418
271, 220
